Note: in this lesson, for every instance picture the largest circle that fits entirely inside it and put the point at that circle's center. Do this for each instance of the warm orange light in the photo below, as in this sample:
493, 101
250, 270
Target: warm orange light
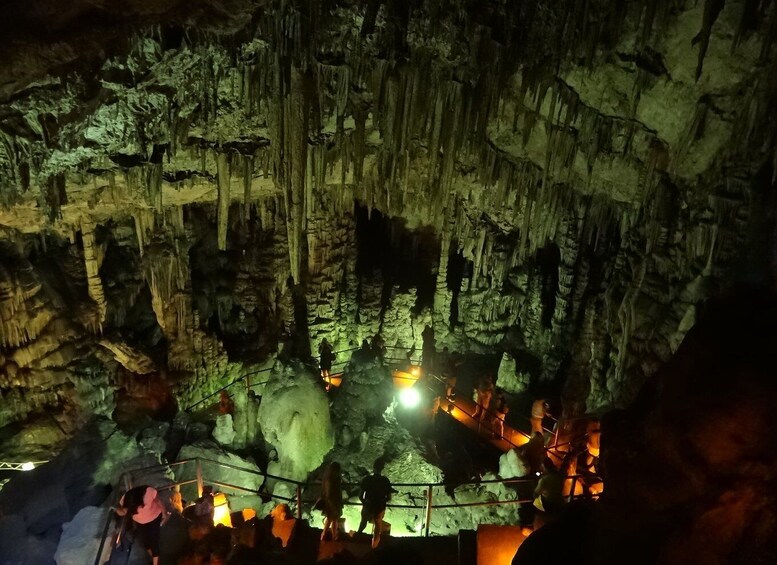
221, 510
403, 379
497, 544
248, 514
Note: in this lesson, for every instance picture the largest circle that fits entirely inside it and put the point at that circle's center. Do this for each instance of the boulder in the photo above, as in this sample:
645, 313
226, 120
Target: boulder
81, 537
209, 451
154, 437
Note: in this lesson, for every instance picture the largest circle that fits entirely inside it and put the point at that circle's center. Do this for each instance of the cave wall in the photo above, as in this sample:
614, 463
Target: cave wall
593, 172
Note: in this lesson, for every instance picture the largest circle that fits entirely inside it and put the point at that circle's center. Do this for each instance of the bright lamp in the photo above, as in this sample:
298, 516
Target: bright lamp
409, 397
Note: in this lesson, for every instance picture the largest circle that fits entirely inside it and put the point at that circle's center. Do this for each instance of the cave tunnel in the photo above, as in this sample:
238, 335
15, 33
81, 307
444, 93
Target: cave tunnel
379, 281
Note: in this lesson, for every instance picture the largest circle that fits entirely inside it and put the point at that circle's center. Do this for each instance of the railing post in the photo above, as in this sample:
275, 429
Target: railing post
127, 480
299, 501
428, 510
198, 464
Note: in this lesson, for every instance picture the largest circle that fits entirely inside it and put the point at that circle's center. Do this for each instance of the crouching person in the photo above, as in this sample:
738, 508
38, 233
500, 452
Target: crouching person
146, 515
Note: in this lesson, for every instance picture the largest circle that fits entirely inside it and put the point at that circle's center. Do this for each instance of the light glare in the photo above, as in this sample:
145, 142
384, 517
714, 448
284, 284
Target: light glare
409, 397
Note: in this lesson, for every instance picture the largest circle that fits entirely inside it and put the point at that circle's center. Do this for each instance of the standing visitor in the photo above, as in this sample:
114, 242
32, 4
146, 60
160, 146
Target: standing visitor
501, 410
485, 393
539, 410
327, 357
331, 501
374, 492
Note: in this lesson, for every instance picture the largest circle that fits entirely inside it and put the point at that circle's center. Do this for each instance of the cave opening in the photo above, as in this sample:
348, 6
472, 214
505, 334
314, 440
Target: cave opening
458, 269
405, 258
548, 259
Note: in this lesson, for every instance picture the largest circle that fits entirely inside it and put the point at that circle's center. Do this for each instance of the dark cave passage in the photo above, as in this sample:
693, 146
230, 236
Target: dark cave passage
405, 258
548, 260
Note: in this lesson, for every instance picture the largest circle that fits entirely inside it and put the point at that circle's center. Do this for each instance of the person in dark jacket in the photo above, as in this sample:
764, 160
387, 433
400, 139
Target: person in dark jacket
374, 492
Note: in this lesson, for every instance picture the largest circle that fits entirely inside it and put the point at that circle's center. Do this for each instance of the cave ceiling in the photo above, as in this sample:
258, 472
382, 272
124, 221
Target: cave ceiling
600, 167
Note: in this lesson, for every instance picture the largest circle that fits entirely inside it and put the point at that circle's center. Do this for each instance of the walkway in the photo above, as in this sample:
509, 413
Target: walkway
462, 409
464, 412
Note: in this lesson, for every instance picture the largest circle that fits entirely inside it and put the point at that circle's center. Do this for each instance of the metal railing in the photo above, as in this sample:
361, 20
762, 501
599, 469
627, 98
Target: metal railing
247, 376
240, 379
127, 480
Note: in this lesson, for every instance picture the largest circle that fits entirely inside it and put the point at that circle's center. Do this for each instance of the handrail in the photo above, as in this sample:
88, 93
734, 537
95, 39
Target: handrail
512, 480
225, 387
485, 410
428, 505
107, 526
267, 369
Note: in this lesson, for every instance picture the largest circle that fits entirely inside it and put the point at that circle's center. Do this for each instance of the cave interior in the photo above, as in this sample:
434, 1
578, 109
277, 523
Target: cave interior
201, 200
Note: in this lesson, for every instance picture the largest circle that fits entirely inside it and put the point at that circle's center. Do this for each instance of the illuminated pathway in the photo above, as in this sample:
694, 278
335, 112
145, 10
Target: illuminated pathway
463, 409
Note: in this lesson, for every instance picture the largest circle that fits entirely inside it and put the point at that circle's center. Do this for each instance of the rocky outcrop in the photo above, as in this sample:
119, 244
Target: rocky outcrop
689, 473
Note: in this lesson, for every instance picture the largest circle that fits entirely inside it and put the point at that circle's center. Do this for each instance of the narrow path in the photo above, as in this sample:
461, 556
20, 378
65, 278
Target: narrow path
463, 410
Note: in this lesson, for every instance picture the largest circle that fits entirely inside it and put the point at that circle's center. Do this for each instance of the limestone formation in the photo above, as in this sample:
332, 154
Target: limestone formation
190, 195
294, 418
508, 376
587, 208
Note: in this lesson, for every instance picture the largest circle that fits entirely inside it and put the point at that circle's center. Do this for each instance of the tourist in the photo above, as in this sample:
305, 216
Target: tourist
534, 454
450, 388
485, 392
147, 514
548, 499
204, 507
501, 410
374, 492
539, 410
226, 405
331, 501
378, 346
327, 357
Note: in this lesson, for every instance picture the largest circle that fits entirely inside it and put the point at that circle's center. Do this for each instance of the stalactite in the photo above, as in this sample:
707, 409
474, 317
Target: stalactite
248, 177
54, 196
154, 185
223, 181
92, 262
